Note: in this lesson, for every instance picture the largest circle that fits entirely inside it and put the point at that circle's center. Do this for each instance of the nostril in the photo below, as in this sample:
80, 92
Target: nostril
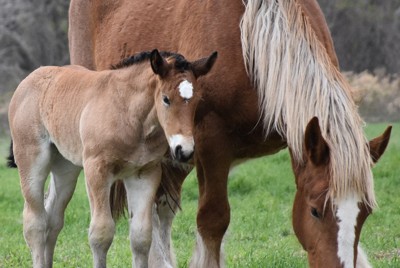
178, 151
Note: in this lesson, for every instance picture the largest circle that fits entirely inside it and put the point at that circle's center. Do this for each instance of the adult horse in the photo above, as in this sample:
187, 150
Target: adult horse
277, 70
117, 125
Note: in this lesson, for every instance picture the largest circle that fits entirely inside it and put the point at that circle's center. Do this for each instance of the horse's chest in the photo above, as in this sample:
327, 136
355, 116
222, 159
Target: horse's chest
149, 150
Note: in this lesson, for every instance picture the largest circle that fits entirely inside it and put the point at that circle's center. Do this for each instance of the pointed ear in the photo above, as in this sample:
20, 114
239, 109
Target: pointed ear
316, 147
158, 63
204, 65
378, 145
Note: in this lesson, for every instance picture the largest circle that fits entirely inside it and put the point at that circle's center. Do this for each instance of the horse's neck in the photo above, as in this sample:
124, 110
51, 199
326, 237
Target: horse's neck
138, 94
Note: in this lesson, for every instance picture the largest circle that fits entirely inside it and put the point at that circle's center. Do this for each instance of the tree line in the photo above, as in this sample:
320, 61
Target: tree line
366, 34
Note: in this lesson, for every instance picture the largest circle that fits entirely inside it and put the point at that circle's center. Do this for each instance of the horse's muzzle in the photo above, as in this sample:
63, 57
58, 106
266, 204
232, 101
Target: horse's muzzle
182, 155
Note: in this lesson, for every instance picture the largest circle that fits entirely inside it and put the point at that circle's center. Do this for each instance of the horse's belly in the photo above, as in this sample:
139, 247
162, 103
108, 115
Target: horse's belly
72, 151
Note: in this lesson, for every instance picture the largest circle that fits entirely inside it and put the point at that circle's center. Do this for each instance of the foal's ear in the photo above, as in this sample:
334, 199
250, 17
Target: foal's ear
316, 147
378, 145
203, 66
158, 63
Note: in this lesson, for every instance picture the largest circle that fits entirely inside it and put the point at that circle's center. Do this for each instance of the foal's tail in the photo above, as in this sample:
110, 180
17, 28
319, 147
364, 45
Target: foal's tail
10, 159
118, 202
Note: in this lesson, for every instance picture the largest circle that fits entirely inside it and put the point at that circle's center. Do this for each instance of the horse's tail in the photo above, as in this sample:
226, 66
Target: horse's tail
118, 202
171, 183
10, 159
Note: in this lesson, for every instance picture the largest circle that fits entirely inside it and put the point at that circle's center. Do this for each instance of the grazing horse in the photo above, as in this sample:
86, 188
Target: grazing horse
277, 85
116, 124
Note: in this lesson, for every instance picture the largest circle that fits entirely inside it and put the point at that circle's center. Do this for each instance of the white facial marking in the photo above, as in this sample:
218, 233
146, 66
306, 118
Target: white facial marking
347, 213
186, 89
187, 143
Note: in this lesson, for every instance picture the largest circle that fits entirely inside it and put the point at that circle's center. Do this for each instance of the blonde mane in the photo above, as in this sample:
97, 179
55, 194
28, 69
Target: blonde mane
296, 81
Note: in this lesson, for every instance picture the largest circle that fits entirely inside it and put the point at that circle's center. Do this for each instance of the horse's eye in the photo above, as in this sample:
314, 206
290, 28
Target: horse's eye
166, 101
314, 213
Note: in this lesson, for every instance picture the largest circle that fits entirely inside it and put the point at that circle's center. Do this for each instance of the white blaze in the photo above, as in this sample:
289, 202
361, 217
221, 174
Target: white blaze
186, 89
347, 213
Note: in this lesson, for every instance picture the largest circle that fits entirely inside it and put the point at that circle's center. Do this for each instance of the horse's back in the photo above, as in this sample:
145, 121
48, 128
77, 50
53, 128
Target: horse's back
40, 83
123, 28
188, 27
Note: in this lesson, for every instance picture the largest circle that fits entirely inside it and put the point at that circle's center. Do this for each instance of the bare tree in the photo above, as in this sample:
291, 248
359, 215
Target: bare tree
366, 33
32, 33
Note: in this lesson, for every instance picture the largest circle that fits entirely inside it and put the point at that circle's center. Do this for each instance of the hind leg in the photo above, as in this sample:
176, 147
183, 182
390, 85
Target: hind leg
61, 188
141, 191
34, 166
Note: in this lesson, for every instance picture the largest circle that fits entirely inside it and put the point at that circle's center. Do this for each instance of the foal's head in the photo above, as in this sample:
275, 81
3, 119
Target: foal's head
329, 230
176, 99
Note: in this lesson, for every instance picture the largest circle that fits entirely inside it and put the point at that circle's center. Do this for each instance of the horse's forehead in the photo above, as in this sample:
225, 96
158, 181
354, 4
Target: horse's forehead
182, 86
186, 89
315, 179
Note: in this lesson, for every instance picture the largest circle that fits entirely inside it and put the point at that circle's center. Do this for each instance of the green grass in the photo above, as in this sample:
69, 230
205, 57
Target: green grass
261, 193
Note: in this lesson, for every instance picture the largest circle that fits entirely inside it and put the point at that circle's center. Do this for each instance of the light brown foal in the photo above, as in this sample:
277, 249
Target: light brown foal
116, 124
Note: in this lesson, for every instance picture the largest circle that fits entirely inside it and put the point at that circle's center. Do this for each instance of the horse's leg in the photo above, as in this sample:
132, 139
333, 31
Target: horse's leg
61, 187
161, 251
34, 167
164, 211
213, 159
141, 193
102, 225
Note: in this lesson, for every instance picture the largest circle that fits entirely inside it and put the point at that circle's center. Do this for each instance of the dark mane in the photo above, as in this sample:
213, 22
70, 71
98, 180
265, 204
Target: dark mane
180, 62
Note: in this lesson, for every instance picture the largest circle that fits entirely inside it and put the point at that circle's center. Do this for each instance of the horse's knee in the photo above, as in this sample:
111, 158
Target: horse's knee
35, 224
140, 233
35, 231
213, 220
101, 235
55, 225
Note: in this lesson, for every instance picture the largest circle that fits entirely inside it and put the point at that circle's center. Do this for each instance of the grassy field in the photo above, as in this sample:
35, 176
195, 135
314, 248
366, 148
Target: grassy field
260, 234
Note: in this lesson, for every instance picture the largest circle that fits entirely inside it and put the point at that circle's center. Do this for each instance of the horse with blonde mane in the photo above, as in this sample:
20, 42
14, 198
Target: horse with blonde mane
117, 125
277, 84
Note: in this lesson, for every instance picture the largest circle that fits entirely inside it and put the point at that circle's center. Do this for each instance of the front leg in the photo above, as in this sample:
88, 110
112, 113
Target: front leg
164, 211
213, 159
141, 191
102, 226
